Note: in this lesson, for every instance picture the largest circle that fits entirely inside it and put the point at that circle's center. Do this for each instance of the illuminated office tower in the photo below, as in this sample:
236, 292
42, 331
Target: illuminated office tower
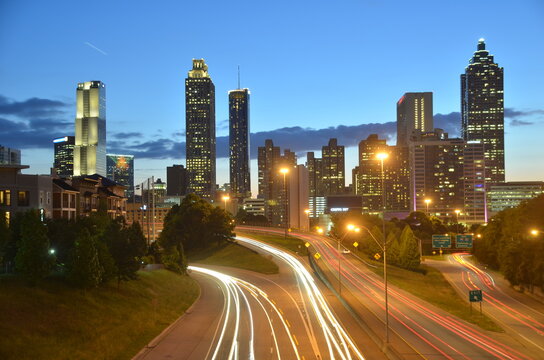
414, 114
200, 131
64, 156
333, 168
271, 184
482, 109
176, 180
9, 156
121, 170
90, 139
240, 183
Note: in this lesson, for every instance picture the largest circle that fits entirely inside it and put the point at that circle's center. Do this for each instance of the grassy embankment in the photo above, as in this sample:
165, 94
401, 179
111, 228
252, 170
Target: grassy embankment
55, 321
435, 289
234, 255
290, 243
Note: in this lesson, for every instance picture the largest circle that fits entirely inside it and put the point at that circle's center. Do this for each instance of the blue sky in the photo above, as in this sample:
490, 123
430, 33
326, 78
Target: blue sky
326, 68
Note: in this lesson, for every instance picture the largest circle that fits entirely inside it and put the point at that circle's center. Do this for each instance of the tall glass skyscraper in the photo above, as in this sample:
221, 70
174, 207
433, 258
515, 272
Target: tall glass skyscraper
482, 110
121, 170
414, 115
64, 156
240, 183
90, 141
200, 131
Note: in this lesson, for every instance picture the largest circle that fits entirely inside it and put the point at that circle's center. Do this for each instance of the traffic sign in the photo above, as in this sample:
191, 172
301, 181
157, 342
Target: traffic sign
441, 241
317, 256
463, 241
307, 244
356, 244
377, 256
475, 295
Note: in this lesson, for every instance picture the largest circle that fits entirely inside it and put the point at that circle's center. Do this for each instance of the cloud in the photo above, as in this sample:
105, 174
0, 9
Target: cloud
223, 125
516, 122
127, 135
450, 123
34, 134
32, 108
513, 113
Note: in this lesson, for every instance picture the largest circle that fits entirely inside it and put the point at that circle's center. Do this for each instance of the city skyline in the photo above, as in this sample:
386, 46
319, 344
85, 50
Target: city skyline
372, 104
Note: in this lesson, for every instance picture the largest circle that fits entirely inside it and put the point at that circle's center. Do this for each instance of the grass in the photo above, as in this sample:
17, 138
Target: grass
290, 243
234, 255
54, 321
435, 289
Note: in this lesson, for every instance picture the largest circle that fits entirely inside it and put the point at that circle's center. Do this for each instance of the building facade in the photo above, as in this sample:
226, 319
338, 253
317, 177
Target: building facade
240, 181
273, 185
451, 174
200, 131
121, 170
90, 129
176, 180
333, 168
482, 109
414, 114
64, 156
9, 156
510, 194
298, 198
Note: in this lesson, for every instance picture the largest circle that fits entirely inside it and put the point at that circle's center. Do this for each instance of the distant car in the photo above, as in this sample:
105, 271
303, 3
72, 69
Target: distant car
345, 251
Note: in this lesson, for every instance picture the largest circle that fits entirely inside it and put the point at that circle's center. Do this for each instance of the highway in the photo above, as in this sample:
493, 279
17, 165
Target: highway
242, 314
520, 315
429, 331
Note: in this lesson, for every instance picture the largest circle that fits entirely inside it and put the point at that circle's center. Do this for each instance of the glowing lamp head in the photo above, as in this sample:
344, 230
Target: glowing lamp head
427, 201
226, 197
457, 211
534, 232
351, 227
284, 171
357, 229
382, 156
320, 231
307, 211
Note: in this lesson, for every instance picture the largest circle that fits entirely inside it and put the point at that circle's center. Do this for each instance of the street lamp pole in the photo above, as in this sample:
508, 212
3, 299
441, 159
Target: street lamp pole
427, 202
284, 171
382, 157
457, 212
350, 227
225, 199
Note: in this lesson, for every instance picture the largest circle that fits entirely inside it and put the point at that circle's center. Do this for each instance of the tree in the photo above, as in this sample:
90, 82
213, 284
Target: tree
84, 268
393, 249
33, 259
4, 236
409, 250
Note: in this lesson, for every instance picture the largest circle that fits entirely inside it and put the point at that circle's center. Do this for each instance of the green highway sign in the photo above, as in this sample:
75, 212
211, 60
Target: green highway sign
463, 241
441, 241
475, 295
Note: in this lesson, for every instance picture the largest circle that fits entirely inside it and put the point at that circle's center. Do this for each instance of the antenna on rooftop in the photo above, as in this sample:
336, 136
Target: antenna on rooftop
238, 76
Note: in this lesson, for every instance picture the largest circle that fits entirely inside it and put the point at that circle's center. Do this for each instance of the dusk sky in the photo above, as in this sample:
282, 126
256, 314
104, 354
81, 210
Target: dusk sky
315, 70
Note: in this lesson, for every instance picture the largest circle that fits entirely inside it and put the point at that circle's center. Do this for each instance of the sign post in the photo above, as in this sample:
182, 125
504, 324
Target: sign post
475, 296
463, 241
441, 241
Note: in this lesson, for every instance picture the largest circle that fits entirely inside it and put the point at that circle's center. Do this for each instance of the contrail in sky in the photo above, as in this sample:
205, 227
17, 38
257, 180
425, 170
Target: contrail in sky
97, 49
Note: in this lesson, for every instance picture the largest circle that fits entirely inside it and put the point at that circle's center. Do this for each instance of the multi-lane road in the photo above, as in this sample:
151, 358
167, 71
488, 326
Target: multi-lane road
429, 331
521, 316
242, 314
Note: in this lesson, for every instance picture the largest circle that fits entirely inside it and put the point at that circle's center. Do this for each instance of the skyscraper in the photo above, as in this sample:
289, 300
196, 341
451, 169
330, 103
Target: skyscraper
90, 139
271, 185
121, 170
64, 156
9, 156
449, 172
482, 109
200, 130
414, 114
176, 180
333, 168
240, 183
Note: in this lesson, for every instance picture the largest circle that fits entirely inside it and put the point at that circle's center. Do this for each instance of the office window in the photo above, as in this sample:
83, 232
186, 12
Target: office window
23, 198
5, 197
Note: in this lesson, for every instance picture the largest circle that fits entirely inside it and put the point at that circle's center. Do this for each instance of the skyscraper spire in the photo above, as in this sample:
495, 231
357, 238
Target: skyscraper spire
481, 44
239, 77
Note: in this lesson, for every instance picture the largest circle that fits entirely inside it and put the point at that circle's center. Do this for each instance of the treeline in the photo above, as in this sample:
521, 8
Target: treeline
86, 253
507, 244
194, 224
403, 236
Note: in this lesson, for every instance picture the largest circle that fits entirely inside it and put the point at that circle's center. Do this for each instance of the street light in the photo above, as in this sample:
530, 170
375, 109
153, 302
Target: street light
307, 212
382, 156
284, 171
457, 212
535, 232
225, 199
427, 202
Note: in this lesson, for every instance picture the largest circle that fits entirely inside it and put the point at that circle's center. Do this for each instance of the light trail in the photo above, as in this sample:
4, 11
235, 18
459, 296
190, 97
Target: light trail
339, 343
232, 288
372, 287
